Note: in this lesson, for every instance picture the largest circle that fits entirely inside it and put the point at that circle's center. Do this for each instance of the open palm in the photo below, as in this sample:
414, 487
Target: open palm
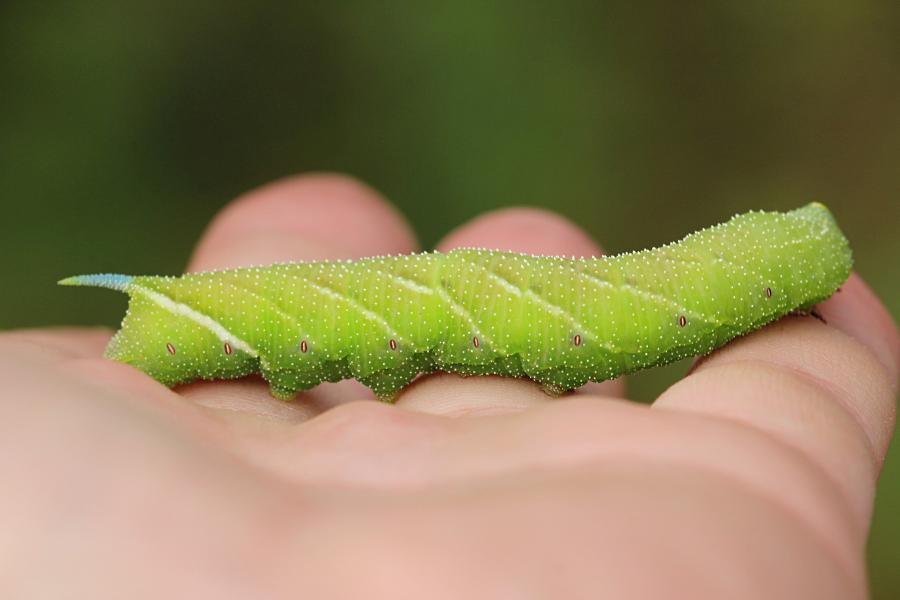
751, 477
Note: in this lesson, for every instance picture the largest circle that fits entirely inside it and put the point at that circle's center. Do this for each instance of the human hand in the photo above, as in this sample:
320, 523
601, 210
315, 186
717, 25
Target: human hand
752, 477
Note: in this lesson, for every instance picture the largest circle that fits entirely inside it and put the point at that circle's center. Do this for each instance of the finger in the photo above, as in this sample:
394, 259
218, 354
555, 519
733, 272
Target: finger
856, 311
525, 230
828, 390
309, 217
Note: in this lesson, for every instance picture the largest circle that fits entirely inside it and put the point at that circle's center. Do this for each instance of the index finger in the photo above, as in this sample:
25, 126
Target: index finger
825, 389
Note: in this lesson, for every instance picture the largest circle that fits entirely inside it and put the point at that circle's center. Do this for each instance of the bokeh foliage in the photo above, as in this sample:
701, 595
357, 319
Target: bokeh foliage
124, 126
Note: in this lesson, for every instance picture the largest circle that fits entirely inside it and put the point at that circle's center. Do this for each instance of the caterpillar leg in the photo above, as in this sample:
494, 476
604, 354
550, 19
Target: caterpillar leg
387, 383
285, 384
558, 381
810, 312
553, 390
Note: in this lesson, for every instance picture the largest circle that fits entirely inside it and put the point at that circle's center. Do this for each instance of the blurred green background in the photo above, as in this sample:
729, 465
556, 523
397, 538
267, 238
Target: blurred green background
125, 126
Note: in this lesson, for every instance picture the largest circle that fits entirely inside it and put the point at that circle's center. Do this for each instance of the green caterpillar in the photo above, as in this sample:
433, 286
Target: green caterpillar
558, 321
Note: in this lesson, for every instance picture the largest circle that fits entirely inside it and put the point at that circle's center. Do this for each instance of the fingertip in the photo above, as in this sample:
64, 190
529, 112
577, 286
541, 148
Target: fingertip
858, 312
303, 217
527, 230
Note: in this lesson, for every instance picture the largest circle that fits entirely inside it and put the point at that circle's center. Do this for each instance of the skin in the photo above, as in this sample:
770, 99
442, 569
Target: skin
752, 477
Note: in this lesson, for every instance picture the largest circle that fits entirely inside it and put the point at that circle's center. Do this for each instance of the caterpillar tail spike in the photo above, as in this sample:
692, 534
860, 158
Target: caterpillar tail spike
111, 281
